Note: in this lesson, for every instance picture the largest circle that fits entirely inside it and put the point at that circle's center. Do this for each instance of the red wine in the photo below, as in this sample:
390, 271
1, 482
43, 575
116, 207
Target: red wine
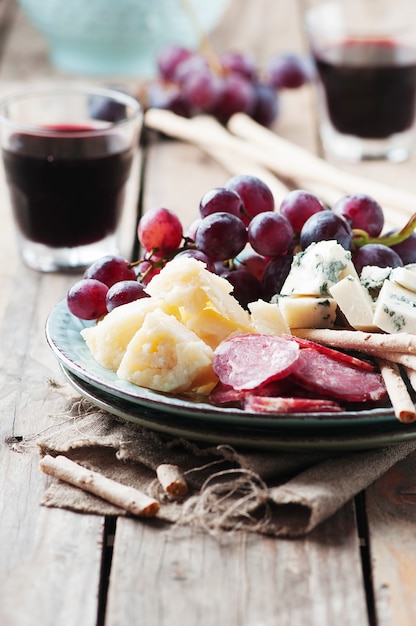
370, 87
73, 198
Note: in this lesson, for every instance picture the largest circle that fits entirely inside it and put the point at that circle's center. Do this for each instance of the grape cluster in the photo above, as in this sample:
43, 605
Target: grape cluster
190, 83
241, 236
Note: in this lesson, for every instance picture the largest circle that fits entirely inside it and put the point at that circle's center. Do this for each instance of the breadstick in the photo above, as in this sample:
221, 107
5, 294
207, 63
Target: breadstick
402, 404
405, 359
296, 162
127, 498
172, 480
371, 343
411, 375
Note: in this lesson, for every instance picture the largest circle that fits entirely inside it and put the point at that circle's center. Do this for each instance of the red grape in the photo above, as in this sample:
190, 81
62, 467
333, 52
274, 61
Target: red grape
237, 96
160, 230
406, 249
266, 106
123, 292
275, 274
254, 193
362, 212
251, 261
202, 91
221, 236
241, 63
167, 96
193, 253
110, 269
270, 234
193, 65
324, 226
192, 228
169, 58
220, 200
298, 205
289, 71
246, 288
87, 299
375, 254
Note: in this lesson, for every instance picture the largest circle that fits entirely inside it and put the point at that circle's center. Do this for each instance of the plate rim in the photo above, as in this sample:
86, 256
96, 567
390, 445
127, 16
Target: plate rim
276, 442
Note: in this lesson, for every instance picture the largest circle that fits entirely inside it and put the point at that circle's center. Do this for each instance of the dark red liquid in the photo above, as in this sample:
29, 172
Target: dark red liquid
370, 87
72, 199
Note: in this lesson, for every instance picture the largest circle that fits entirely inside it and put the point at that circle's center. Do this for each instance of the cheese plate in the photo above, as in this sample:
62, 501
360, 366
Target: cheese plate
64, 338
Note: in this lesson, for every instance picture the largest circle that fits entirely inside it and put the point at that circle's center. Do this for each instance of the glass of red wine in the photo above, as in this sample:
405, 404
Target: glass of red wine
67, 156
365, 56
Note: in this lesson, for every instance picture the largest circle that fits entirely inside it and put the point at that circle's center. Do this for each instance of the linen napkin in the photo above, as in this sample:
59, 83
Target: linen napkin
278, 493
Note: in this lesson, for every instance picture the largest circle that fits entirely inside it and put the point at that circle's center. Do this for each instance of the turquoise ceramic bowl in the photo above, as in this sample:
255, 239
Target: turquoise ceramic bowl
117, 37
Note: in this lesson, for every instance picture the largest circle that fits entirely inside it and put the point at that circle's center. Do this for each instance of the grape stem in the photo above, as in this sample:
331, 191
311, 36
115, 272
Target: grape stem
204, 43
188, 244
361, 238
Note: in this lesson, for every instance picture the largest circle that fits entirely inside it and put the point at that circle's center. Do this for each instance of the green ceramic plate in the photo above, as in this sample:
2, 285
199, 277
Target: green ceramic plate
63, 335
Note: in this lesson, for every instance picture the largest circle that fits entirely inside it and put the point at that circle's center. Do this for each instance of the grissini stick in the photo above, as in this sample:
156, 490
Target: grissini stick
294, 161
127, 498
234, 154
402, 404
371, 343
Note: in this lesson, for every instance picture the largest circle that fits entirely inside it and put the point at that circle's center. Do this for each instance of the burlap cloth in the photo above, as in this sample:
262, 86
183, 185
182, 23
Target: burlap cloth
278, 493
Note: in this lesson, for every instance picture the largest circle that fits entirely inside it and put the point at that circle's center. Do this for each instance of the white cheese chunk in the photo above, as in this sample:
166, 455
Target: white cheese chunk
267, 318
395, 310
317, 268
166, 356
405, 277
355, 303
308, 311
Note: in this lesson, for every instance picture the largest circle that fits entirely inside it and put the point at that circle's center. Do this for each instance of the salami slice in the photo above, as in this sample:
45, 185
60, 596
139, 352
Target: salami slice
250, 360
336, 354
332, 378
262, 404
224, 394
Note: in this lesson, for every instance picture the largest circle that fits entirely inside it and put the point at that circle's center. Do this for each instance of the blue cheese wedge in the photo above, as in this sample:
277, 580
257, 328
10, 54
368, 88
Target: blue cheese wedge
355, 303
317, 268
395, 310
372, 278
404, 276
308, 311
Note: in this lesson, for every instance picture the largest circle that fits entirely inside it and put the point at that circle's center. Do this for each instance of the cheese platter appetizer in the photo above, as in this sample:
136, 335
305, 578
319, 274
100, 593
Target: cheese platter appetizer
274, 311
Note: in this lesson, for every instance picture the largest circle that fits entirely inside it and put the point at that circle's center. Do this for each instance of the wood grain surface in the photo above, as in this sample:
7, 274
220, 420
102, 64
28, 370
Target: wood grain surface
58, 567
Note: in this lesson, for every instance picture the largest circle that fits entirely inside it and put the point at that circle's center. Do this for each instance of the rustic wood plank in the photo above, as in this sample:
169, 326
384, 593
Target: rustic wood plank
187, 577
184, 576
58, 552
57, 580
391, 515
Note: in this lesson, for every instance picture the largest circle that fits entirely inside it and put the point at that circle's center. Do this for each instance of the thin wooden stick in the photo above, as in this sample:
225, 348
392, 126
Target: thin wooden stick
172, 479
127, 498
402, 404
371, 343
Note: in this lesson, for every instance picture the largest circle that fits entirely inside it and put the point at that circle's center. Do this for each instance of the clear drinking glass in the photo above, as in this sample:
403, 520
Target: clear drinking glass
67, 155
365, 55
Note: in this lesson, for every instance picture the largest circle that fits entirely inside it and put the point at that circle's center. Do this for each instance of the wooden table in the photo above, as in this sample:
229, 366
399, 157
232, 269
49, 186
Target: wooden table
58, 567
